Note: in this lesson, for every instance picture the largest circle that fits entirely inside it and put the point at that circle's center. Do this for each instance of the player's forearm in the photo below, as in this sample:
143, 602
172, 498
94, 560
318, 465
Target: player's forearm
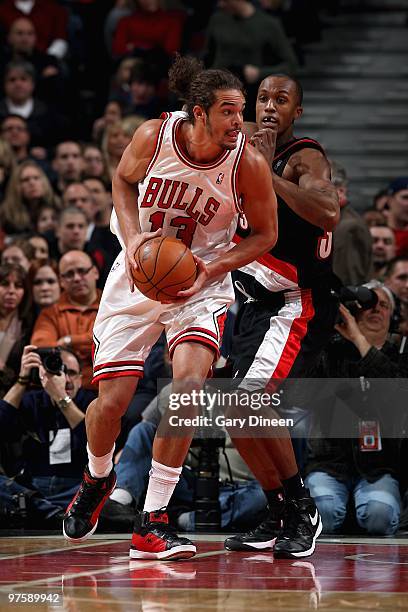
247, 250
317, 205
124, 197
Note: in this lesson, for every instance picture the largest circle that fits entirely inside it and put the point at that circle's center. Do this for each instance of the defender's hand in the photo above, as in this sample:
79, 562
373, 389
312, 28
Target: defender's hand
133, 244
265, 142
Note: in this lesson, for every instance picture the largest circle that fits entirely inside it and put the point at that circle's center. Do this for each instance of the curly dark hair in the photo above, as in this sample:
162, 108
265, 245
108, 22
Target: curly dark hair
193, 84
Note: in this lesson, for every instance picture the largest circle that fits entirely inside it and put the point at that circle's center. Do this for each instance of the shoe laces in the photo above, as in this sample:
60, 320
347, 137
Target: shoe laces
90, 493
293, 523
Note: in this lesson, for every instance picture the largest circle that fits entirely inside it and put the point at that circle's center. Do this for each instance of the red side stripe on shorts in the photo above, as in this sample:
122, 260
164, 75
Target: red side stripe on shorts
283, 268
297, 332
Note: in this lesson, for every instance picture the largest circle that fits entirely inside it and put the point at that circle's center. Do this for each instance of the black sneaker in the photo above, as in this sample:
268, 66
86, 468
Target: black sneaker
81, 516
153, 538
116, 517
302, 526
262, 537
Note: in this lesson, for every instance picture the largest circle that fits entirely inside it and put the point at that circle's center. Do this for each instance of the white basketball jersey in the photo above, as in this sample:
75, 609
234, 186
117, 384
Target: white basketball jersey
195, 202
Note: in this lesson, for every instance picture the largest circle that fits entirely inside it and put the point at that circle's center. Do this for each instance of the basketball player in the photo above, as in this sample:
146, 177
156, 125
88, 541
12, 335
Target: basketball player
289, 315
184, 175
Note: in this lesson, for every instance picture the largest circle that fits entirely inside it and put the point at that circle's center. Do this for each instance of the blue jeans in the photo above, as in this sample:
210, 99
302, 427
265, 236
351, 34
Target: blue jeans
239, 503
378, 504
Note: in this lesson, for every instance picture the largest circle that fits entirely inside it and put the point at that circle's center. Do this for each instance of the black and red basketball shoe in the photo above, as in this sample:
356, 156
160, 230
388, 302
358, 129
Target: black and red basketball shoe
153, 538
82, 514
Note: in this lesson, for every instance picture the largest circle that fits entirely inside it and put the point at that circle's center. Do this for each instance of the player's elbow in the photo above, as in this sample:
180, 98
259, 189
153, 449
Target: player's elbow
270, 238
330, 220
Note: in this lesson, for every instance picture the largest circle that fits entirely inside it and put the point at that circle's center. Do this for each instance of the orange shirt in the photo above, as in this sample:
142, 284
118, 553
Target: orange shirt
66, 319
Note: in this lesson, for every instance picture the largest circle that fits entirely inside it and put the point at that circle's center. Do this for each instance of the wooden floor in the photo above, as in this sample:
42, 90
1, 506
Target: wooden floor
343, 574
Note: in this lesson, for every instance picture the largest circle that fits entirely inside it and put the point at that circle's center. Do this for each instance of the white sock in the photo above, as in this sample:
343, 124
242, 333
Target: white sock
121, 496
100, 467
162, 482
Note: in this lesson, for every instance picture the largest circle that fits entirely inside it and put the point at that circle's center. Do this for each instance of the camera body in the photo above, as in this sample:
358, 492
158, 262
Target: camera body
356, 298
51, 360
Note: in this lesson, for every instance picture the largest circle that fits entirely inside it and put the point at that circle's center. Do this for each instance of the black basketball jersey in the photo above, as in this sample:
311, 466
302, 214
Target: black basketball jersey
302, 254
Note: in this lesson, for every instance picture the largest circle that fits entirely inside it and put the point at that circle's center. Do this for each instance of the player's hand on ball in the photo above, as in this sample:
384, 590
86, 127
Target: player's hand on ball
265, 142
201, 279
134, 243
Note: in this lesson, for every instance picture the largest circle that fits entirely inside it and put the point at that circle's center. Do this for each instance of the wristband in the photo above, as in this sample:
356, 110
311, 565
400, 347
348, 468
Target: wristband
23, 380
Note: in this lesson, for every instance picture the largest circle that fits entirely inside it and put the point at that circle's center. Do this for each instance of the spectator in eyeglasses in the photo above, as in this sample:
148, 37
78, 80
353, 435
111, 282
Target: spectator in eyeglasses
54, 452
69, 322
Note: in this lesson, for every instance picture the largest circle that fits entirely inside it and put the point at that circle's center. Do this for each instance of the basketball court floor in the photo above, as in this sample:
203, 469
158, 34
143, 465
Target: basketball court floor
48, 573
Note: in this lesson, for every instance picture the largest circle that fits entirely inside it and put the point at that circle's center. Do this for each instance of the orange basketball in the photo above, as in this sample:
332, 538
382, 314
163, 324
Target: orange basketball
166, 266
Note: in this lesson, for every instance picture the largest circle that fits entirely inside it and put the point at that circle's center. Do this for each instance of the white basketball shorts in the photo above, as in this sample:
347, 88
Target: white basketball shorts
128, 324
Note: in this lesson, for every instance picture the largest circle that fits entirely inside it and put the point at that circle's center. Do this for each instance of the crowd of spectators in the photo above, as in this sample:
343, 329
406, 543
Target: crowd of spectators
77, 79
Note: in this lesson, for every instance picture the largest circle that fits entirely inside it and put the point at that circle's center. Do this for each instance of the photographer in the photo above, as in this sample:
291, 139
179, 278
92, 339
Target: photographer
365, 466
51, 422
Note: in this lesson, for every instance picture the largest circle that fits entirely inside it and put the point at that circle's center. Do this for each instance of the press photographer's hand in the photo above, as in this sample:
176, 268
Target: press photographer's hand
29, 360
53, 384
350, 330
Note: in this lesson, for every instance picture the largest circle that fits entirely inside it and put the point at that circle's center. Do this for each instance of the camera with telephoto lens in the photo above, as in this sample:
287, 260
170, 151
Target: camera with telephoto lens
207, 484
355, 298
51, 360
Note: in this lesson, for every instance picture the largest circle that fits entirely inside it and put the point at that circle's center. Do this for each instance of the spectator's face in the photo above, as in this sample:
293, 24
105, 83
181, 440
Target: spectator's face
78, 195
31, 183
22, 36
11, 294
398, 205
18, 86
383, 244
72, 373
47, 220
117, 141
101, 196
68, 162
78, 275
15, 131
13, 254
398, 281
149, 5
71, 232
376, 319
277, 104
46, 289
230, 6
93, 162
112, 112
40, 246
142, 92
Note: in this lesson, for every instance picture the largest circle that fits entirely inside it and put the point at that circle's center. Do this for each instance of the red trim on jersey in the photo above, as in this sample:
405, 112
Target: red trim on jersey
114, 364
298, 331
296, 142
159, 141
107, 375
285, 269
189, 162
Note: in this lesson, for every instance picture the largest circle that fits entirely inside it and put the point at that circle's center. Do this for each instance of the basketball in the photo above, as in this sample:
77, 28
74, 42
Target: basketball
166, 266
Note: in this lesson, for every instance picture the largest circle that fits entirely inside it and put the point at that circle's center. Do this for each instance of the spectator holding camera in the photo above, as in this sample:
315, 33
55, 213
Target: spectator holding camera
54, 452
69, 322
340, 467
